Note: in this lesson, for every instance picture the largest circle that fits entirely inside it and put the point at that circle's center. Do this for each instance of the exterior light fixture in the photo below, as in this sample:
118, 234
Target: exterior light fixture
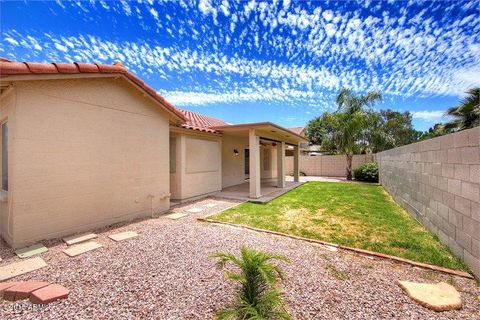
235, 152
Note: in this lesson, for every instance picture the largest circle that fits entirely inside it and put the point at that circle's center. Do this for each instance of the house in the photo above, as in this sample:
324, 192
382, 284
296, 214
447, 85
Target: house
88, 145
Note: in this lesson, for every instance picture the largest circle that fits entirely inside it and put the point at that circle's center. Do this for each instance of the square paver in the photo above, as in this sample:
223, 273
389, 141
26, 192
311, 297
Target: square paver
194, 210
77, 238
49, 294
123, 236
23, 290
82, 248
21, 267
31, 251
176, 216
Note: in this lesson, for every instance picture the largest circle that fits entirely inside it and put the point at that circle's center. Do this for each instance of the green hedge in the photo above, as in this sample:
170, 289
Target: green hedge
367, 172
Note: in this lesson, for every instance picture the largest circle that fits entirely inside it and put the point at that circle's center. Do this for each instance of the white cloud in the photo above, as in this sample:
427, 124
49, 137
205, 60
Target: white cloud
61, 47
430, 116
154, 13
11, 41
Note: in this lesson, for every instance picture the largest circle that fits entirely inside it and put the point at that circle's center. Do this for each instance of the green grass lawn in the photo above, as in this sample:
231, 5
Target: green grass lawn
351, 214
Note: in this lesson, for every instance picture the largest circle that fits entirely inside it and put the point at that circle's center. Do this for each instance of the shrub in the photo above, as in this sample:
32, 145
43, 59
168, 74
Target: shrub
257, 296
367, 172
300, 173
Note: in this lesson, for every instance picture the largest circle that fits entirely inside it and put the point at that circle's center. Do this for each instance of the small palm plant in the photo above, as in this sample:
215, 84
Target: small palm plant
257, 298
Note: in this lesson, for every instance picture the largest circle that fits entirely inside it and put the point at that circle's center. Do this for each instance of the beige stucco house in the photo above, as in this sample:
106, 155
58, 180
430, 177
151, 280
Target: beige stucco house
88, 145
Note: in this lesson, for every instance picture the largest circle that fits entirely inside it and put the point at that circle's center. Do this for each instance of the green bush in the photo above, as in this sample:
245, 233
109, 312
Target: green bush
367, 172
257, 296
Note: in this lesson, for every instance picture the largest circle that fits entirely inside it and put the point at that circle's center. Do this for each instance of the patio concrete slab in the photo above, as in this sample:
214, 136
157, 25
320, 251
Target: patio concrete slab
176, 216
77, 238
17, 268
211, 205
49, 294
269, 191
194, 210
82, 248
31, 251
123, 236
439, 297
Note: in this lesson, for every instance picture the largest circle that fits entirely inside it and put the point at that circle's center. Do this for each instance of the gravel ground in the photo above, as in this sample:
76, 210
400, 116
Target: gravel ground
165, 273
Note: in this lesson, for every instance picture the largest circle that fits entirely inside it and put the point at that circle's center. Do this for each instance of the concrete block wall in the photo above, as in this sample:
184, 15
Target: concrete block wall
327, 166
438, 182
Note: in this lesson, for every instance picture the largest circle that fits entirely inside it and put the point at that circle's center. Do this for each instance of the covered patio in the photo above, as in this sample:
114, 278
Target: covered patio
268, 190
257, 185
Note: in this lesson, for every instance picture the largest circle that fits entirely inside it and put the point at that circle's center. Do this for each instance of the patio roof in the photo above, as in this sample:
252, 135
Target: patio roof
266, 130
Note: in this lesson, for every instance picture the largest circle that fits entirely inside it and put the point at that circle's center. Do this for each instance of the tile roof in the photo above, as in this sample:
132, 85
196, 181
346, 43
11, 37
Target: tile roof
12, 68
200, 122
297, 130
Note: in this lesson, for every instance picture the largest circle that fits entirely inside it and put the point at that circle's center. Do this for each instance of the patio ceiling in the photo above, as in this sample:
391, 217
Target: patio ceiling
266, 130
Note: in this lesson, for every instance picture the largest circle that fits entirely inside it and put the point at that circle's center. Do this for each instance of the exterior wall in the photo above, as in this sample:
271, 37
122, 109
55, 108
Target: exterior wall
327, 166
7, 111
199, 166
87, 153
233, 166
438, 182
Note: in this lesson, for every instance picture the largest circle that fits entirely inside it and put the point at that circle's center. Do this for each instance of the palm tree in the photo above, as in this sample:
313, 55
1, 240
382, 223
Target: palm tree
352, 121
258, 297
467, 114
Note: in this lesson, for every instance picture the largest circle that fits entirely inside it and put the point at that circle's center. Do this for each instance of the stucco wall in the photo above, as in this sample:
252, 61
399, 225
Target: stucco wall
233, 166
327, 166
88, 152
438, 182
198, 170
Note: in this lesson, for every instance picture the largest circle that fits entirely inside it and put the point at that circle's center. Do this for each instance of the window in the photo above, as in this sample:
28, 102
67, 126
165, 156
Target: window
5, 156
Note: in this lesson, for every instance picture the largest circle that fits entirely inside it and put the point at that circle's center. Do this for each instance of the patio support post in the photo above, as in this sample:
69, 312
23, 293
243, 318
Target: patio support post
281, 165
296, 169
254, 147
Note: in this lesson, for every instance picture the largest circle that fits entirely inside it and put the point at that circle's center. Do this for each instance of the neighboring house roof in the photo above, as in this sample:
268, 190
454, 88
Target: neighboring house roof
200, 122
298, 130
10, 68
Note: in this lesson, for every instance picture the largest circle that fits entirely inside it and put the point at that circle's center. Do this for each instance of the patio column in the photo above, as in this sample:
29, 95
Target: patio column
296, 169
281, 165
254, 147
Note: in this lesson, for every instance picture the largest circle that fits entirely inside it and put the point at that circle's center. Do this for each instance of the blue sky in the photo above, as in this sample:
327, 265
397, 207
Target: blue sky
250, 61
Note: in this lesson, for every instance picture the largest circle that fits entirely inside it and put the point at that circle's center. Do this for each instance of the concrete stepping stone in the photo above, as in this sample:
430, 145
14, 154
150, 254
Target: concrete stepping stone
23, 290
123, 236
21, 267
31, 251
49, 294
211, 205
439, 297
82, 248
77, 238
176, 216
194, 210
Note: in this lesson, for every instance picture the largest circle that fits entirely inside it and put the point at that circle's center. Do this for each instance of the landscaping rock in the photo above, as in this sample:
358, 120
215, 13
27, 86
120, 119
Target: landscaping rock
23, 290
49, 294
438, 297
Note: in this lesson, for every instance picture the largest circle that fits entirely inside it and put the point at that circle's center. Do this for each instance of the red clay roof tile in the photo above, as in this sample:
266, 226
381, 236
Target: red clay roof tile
13, 68
66, 68
42, 68
200, 122
87, 67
